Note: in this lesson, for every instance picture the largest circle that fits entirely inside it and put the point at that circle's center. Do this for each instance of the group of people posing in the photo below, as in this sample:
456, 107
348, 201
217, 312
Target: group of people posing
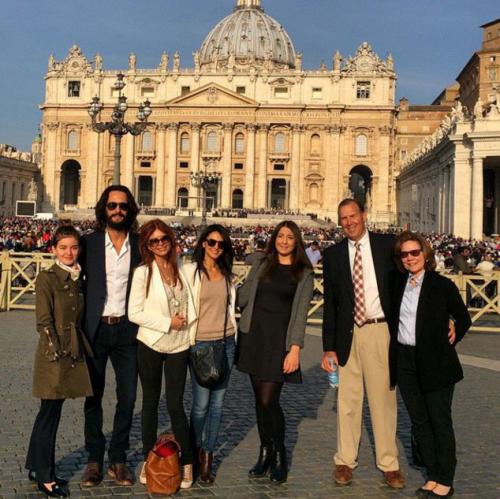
122, 294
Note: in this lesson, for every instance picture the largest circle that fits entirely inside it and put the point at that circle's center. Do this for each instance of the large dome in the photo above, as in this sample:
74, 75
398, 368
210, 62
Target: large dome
248, 36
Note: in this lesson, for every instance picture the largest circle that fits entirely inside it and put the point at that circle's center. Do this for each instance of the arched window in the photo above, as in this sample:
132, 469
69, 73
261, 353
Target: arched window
315, 144
239, 143
237, 199
313, 192
279, 142
147, 141
182, 197
72, 140
185, 143
361, 145
212, 142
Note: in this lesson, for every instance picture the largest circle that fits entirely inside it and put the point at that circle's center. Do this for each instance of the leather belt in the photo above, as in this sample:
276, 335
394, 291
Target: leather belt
110, 320
375, 321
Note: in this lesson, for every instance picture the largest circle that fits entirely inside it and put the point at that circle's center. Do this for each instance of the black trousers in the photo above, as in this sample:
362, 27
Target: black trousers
152, 365
117, 343
430, 414
41, 451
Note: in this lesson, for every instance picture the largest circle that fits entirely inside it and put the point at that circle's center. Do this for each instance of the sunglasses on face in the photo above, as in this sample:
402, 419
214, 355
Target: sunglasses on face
213, 242
112, 206
406, 254
157, 241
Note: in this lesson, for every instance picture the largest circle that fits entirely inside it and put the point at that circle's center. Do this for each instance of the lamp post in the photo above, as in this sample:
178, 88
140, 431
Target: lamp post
204, 179
117, 125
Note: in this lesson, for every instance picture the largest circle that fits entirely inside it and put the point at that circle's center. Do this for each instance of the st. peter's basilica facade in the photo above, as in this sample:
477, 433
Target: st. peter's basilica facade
280, 136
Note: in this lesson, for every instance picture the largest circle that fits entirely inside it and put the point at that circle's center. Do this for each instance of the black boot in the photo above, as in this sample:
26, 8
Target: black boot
279, 471
263, 463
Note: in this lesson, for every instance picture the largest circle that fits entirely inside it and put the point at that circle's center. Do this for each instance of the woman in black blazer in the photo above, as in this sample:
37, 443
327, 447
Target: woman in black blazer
427, 363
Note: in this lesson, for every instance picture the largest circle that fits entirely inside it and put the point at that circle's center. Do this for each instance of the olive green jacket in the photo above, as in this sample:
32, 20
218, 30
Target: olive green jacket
60, 369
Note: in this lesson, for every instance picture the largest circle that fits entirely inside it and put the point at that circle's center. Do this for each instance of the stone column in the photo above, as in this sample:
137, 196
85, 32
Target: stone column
226, 166
170, 199
262, 175
195, 161
381, 197
248, 200
302, 166
160, 165
332, 166
128, 178
496, 228
440, 200
50, 166
294, 178
477, 199
460, 206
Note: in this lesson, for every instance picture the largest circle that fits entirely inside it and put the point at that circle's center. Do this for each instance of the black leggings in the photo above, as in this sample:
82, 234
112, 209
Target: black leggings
152, 364
270, 419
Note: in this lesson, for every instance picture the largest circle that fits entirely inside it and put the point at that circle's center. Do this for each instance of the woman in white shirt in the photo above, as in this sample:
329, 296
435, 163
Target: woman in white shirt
159, 304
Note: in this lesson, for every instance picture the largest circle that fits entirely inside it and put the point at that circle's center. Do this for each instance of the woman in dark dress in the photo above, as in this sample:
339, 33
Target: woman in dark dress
274, 300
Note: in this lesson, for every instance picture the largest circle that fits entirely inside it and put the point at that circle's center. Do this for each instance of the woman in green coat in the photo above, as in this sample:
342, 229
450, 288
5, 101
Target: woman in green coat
60, 370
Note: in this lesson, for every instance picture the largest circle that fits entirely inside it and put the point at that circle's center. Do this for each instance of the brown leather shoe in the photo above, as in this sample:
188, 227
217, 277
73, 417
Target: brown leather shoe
92, 475
206, 459
343, 474
394, 479
121, 474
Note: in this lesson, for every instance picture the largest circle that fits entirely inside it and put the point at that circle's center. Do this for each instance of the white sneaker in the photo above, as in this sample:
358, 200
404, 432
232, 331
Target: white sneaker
187, 476
142, 476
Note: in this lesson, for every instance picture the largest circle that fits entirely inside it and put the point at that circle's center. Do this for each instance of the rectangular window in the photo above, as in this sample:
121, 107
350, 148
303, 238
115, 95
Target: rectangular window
281, 92
185, 90
279, 167
241, 90
363, 90
74, 88
238, 166
145, 164
317, 93
147, 92
184, 164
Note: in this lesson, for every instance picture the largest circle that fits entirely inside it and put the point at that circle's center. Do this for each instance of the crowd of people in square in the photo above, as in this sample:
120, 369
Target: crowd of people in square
119, 292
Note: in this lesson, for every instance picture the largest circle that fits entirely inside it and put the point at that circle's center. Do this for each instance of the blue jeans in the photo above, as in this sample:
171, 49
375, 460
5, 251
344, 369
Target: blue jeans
206, 410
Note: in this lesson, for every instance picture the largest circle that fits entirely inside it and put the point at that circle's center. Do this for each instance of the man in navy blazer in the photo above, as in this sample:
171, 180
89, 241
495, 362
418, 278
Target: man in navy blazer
108, 258
360, 348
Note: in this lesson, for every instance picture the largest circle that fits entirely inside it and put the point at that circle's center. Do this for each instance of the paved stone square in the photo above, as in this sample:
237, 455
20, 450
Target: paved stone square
311, 430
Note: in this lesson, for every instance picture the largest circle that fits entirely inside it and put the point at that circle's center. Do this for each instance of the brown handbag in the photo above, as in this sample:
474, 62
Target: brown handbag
163, 468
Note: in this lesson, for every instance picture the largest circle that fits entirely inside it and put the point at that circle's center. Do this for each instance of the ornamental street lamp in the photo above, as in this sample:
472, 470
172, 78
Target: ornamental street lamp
117, 125
204, 179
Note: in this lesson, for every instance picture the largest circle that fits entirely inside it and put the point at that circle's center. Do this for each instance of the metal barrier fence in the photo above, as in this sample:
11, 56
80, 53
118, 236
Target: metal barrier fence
19, 271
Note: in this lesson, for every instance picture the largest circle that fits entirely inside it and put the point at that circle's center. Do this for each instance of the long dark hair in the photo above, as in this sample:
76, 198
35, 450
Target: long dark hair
133, 210
300, 261
225, 261
147, 255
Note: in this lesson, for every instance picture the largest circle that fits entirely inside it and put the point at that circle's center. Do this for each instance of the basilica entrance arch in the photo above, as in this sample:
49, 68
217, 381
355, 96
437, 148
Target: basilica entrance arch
278, 194
360, 184
70, 183
212, 193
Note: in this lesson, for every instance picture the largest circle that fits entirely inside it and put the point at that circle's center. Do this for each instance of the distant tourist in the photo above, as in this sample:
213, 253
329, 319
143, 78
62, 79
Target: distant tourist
460, 261
60, 370
314, 253
259, 253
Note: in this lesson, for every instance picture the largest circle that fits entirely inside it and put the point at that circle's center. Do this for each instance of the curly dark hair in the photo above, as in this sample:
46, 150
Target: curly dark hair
225, 261
300, 261
133, 211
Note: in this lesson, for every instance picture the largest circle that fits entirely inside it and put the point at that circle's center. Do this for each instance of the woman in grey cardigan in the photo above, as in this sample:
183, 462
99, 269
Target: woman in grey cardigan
274, 301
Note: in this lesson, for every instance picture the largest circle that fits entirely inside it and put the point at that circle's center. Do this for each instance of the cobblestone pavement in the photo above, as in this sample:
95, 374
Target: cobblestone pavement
311, 434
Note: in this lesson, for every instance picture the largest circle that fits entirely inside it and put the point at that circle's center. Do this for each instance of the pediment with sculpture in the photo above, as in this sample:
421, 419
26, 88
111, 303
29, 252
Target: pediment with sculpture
212, 95
367, 61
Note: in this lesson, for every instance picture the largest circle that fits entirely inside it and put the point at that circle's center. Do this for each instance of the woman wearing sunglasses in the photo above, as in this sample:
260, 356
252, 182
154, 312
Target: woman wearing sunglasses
210, 281
60, 370
159, 304
427, 362
274, 300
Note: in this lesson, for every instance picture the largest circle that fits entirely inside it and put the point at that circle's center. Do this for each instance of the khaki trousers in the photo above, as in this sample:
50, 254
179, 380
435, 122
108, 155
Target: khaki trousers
368, 365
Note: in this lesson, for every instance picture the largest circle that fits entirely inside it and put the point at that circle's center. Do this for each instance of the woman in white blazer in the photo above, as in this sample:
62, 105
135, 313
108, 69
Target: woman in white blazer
210, 281
161, 304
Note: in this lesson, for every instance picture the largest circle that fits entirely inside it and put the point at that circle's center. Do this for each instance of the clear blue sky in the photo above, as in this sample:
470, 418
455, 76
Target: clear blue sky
431, 40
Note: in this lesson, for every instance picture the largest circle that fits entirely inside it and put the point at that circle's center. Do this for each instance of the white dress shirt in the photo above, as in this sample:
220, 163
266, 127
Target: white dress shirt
117, 272
408, 311
373, 307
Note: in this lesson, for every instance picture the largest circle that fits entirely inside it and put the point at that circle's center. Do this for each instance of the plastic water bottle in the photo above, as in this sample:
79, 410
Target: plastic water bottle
333, 377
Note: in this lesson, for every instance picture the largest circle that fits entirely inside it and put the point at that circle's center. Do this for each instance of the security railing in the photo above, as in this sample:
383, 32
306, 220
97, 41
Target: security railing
479, 292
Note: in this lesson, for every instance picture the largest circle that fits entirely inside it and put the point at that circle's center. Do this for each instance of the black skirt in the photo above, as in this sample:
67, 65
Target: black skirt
262, 351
